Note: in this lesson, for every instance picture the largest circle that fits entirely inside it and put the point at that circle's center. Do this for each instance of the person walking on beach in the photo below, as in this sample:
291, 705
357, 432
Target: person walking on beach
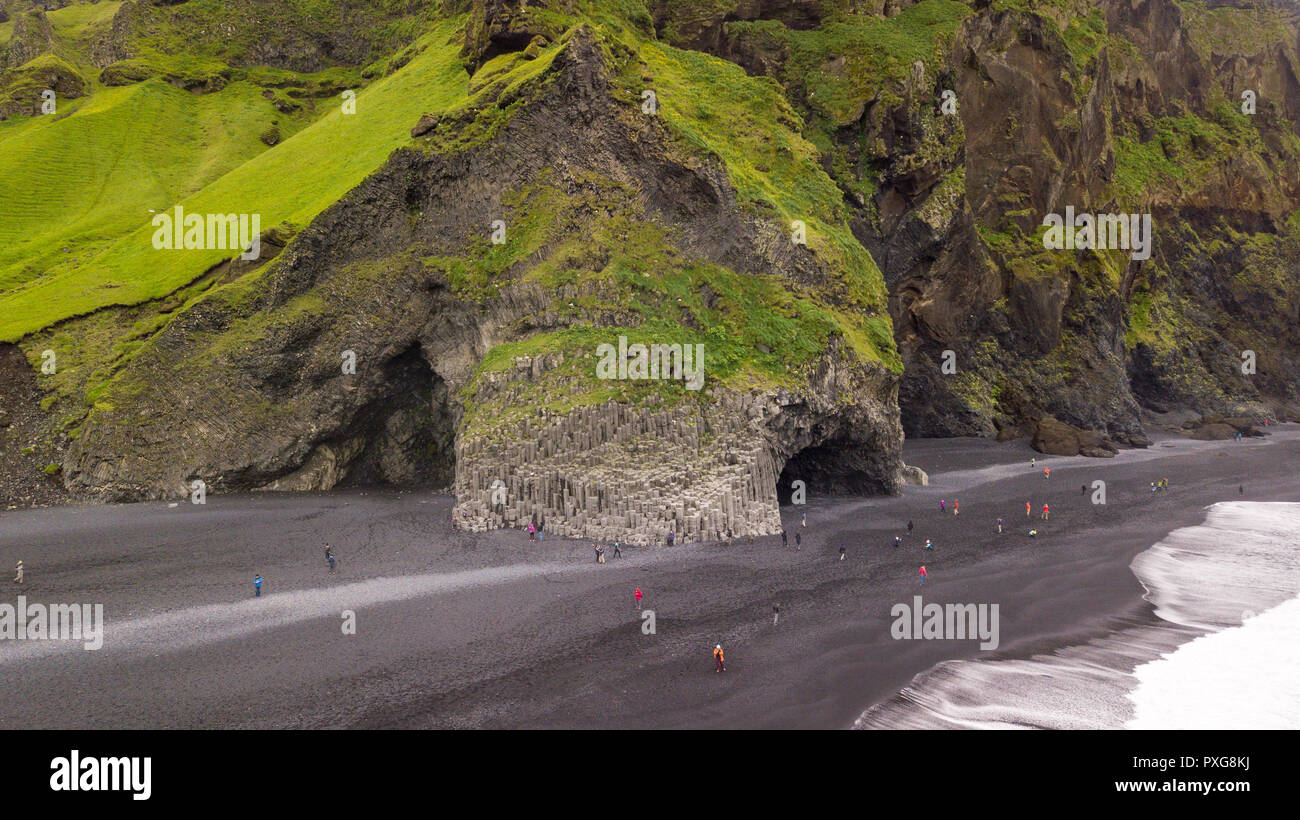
1046, 510
909, 526
18, 579
785, 541
257, 586
1033, 462
638, 599
532, 531
618, 553
776, 612
596, 548
999, 525
329, 556
841, 552
541, 536
956, 505
898, 541
943, 505
923, 573
719, 661
1047, 472
1083, 489
803, 519
798, 541
1026, 509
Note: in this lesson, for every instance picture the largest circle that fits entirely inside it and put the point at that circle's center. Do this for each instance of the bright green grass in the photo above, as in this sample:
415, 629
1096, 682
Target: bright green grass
772, 167
1182, 150
82, 178
874, 51
81, 24
290, 183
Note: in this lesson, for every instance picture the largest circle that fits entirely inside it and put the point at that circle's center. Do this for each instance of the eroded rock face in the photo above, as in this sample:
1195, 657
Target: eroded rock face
697, 469
245, 389
1042, 125
504, 26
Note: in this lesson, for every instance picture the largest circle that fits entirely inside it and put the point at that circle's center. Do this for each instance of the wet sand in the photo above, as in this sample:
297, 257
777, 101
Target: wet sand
488, 630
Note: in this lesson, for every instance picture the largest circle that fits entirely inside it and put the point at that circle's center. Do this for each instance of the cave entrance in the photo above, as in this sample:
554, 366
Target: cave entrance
834, 467
407, 430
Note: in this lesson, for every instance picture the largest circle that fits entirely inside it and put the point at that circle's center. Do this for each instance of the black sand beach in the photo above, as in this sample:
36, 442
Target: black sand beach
488, 630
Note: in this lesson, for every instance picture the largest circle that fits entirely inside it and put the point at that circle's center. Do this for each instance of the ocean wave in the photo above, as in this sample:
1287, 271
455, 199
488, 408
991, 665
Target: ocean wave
1203, 658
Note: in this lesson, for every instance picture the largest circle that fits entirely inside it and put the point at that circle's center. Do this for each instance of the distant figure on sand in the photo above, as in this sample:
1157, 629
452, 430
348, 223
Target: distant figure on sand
1026, 509
618, 553
943, 505
1083, 489
956, 505
928, 545
1045, 512
898, 541
532, 531
803, 519
18, 579
798, 541
923, 573
999, 525
1047, 472
541, 536
909, 526
1241, 490
1033, 533
638, 598
718, 661
785, 541
1033, 462
776, 612
841, 552
257, 586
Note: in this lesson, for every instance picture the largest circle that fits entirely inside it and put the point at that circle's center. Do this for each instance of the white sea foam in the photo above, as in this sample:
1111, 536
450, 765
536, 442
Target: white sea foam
1197, 665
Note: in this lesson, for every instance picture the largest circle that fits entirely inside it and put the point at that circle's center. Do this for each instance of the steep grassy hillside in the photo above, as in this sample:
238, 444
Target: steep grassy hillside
651, 164
149, 146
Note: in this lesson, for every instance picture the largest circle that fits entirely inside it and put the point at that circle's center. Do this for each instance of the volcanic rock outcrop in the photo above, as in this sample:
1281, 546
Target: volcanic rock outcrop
454, 382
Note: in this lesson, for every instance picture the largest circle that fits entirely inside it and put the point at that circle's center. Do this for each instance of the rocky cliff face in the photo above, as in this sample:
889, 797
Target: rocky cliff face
620, 171
1129, 106
482, 382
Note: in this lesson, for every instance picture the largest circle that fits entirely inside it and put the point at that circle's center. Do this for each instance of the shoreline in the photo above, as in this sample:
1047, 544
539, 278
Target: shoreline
557, 643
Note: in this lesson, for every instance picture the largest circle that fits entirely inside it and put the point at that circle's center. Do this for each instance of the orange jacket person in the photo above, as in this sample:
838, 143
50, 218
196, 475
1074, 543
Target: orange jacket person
718, 660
